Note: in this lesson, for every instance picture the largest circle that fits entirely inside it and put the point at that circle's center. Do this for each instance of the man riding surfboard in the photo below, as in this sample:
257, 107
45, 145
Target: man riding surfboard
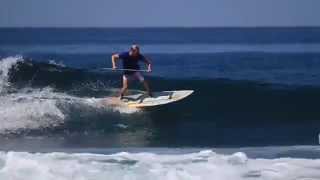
130, 62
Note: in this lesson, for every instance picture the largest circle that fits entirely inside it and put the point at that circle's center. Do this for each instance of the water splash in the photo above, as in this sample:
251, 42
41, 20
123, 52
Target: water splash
5, 65
27, 111
23, 165
111, 103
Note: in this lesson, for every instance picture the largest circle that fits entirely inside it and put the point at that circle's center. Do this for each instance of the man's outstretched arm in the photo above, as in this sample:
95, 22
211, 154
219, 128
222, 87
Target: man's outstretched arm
114, 58
147, 61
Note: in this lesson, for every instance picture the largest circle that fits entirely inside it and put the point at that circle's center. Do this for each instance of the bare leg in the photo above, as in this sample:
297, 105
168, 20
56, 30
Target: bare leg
147, 87
124, 87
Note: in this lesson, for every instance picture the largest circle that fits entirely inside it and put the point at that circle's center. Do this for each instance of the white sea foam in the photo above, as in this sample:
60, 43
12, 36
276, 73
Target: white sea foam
5, 65
16, 112
26, 111
30, 108
111, 103
205, 165
53, 62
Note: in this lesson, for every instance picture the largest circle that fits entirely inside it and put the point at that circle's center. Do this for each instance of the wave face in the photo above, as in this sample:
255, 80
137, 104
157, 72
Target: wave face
253, 87
200, 165
50, 103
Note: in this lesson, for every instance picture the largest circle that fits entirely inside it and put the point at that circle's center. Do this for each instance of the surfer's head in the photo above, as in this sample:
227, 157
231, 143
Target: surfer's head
135, 50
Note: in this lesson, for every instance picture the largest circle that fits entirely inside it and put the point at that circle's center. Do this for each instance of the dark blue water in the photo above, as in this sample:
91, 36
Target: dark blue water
253, 87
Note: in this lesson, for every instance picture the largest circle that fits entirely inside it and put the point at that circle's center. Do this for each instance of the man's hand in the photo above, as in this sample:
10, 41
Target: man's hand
149, 68
114, 57
148, 63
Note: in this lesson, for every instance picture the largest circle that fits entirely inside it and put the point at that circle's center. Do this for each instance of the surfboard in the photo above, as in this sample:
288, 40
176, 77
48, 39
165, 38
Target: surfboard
159, 98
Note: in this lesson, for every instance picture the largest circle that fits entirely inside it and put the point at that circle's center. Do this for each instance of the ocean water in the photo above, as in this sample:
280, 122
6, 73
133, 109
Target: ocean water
254, 113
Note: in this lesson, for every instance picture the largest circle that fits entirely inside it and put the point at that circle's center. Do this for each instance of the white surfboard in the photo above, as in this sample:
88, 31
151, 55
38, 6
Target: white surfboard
159, 98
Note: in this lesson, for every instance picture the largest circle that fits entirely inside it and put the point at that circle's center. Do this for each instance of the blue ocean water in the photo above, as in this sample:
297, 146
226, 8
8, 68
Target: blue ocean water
257, 92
